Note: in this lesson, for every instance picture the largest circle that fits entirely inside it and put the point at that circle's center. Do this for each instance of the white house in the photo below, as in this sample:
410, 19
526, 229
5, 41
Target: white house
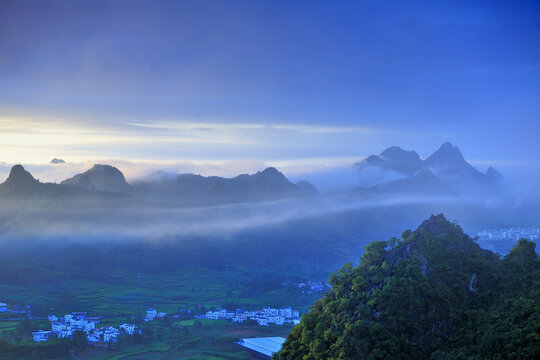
239, 318
295, 314
88, 325
3, 307
65, 332
57, 326
128, 328
77, 323
94, 336
110, 334
52, 318
262, 322
150, 314
285, 312
229, 315
41, 335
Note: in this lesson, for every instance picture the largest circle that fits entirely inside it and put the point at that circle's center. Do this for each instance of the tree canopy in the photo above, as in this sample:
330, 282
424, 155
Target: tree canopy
434, 294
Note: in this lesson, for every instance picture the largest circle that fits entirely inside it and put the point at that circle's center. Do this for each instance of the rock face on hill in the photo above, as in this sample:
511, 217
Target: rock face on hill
455, 176
434, 294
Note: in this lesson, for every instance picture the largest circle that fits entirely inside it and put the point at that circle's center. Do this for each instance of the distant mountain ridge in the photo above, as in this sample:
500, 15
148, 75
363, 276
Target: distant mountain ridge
269, 184
181, 189
445, 172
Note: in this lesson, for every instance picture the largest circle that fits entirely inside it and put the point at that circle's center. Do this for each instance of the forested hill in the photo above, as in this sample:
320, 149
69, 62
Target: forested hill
434, 294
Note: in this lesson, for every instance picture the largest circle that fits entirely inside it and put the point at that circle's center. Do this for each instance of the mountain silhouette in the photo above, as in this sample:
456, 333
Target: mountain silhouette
100, 177
191, 189
447, 164
57, 161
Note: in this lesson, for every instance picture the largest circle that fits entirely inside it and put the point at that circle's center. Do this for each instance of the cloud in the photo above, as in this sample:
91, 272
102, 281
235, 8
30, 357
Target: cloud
186, 145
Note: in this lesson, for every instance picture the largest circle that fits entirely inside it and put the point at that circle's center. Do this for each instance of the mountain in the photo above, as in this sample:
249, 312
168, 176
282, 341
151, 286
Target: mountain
307, 188
423, 183
447, 164
183, 189
394, 158
20, 185
101, 178
446, 155
190, 189
19, 182
57, 161
493, 175
159, 175
434, 294
22, 190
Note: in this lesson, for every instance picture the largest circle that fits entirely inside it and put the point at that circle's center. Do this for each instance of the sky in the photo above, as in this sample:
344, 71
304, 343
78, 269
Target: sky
233, 86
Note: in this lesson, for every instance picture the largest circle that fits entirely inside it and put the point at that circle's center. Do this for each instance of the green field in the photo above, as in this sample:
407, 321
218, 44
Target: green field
124, 294
7, 328
214, 339
124, 298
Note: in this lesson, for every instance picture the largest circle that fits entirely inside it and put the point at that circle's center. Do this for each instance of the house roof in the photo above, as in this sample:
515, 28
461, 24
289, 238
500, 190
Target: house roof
266, 346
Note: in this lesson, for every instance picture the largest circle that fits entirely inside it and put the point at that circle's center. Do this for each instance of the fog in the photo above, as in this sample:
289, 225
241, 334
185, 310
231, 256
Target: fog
106, 221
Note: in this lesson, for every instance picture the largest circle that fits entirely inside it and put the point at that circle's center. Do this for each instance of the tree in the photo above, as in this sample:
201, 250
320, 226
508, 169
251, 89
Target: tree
524, 251
79, 340
24, 327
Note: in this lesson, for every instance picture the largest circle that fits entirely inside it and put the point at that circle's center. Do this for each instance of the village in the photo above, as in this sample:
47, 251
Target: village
502, 240
514, 234
66, 326
263, 317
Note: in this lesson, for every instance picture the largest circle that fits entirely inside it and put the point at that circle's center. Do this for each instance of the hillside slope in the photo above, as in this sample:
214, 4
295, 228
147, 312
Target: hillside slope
434, 294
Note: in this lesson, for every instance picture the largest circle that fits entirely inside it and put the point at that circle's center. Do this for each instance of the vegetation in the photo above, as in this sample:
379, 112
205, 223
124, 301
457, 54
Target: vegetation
434, 294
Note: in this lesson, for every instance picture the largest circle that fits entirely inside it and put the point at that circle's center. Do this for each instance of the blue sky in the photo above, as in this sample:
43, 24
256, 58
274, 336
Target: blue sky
268, 81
